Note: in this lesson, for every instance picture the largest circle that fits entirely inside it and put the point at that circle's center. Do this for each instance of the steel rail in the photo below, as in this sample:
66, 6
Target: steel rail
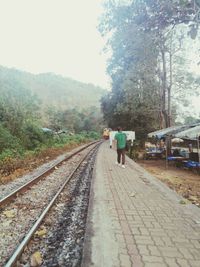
17, 253
25, 186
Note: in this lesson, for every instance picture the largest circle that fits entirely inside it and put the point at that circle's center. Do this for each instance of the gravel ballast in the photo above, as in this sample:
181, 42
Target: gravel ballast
18, 217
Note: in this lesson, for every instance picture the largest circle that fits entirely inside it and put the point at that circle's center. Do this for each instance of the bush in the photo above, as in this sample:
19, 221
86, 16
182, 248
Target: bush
8, 141
94, 135
91, 135
134, 150
7, 154
33, 136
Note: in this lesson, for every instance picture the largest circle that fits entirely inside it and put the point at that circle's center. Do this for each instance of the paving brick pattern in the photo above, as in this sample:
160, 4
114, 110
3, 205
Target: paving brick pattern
149, 225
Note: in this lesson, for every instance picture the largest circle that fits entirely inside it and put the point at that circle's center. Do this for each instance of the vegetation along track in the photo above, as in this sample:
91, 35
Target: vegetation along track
21, 216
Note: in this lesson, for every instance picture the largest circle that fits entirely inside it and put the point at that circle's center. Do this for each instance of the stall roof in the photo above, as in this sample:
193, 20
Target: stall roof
161, 133
191, 133
172, 131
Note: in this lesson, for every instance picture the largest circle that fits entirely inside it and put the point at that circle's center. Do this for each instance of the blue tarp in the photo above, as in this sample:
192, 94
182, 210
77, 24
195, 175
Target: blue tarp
192, 164
188, 163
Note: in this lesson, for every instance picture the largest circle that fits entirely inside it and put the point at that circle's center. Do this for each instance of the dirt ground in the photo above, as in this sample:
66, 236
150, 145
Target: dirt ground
185, 182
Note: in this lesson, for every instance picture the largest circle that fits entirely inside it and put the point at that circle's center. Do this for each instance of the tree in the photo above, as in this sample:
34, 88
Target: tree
17, 107
72, 120
133, 72
160, 18
144, 43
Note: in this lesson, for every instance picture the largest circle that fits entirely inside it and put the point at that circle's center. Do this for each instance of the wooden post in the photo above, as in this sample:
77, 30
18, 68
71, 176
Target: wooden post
198, 147
166, 152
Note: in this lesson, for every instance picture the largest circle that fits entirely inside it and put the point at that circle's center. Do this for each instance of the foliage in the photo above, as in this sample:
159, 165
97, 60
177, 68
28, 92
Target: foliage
21, 119
11, 159
17, 107
33, 136
7, 140
53, 90
143, 38
72, 120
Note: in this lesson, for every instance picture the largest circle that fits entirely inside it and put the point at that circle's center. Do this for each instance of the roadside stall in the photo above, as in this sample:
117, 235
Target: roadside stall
191, 137
162, 140
179, 142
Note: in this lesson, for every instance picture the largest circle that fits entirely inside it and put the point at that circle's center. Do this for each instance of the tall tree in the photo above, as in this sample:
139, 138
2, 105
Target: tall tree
144, 44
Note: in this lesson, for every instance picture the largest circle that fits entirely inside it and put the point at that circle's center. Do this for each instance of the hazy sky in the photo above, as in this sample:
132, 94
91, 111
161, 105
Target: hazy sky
58, 36
53, 36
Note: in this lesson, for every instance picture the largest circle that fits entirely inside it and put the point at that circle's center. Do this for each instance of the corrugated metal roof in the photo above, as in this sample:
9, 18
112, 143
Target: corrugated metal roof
172, 131
167, 131
191, 133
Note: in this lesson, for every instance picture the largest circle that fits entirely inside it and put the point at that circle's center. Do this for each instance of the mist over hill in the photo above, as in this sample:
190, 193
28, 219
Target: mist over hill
53, 90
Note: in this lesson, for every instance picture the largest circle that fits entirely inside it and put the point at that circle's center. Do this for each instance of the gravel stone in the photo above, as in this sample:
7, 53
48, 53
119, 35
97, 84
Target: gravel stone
29, 205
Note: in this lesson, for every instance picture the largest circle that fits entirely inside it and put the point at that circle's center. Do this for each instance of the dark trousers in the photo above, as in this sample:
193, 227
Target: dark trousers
121, 153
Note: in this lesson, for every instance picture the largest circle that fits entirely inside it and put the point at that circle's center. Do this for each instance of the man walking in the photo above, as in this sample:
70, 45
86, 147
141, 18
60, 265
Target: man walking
120, 137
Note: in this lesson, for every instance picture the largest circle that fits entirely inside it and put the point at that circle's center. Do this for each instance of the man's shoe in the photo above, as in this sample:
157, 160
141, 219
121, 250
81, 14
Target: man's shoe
123, 166
117, 163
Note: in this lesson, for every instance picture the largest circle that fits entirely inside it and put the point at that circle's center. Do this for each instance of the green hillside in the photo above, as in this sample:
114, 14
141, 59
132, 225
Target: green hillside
53, 90
30, 103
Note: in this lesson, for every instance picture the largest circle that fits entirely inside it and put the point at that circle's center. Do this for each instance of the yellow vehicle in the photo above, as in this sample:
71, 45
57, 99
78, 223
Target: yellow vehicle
106, 133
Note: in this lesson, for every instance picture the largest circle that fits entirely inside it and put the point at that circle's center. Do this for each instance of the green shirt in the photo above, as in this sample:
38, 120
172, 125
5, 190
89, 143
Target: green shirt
121, 140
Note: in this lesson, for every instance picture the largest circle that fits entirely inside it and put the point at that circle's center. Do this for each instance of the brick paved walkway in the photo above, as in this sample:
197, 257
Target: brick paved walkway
135, 220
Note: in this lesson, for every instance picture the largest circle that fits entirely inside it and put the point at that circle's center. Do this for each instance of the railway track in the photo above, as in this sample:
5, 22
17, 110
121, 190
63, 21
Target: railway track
6, 199
22, 217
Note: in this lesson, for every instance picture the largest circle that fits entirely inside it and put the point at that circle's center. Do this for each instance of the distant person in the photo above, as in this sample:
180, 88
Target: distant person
120, 137
190, 148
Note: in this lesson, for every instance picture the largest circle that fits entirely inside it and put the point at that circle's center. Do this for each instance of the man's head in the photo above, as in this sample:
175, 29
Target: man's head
119, 129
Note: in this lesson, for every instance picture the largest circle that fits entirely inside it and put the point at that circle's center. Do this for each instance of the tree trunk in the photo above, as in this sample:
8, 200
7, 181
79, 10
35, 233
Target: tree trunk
169, 90
164, 88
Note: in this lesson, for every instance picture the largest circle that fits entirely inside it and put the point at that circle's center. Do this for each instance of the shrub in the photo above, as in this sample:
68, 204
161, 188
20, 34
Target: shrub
33, 136
8, 141
94, 135
7, 154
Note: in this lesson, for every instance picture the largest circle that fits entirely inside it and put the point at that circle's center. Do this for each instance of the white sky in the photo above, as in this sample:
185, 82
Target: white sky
53, 36
56, 36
